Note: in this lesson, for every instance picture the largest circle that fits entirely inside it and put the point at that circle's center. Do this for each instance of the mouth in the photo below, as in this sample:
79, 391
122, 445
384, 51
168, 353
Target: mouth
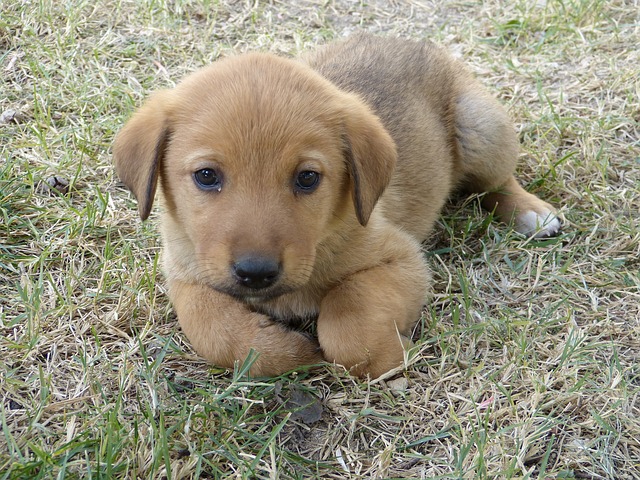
253, 296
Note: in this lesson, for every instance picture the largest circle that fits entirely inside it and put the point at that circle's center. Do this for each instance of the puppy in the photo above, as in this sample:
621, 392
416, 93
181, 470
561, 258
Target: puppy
302, 189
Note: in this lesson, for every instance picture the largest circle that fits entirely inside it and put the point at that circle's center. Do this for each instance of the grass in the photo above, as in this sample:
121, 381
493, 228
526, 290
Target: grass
528, 360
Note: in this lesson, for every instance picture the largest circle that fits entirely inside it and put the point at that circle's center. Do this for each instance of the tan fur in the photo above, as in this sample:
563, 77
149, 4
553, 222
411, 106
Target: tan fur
391, 126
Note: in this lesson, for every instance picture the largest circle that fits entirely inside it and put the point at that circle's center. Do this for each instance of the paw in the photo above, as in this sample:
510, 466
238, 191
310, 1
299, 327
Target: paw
538, 224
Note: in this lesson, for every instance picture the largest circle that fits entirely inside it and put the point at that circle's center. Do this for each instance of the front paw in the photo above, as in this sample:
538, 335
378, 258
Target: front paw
224, 331
281, 349
361, 362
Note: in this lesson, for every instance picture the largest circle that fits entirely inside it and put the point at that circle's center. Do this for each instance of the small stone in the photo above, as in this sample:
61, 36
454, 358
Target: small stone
398, 385
11, 116
57, 184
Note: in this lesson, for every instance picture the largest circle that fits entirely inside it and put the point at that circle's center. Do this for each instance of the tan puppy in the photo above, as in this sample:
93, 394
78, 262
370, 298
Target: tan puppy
302, 190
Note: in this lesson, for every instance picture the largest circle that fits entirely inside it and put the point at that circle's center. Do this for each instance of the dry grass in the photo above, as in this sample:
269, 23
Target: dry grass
528, 364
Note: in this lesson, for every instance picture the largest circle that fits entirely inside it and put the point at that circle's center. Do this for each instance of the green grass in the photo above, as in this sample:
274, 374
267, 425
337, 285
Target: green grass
529, 353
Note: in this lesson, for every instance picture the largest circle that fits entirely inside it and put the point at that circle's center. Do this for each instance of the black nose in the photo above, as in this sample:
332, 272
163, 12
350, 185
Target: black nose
256, 272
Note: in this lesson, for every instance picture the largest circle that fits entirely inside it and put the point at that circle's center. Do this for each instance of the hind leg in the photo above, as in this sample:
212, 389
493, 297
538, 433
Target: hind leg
488, 151
531, 216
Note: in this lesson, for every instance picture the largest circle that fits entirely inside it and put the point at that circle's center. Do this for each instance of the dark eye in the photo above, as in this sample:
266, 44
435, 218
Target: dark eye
208, 179
307, 181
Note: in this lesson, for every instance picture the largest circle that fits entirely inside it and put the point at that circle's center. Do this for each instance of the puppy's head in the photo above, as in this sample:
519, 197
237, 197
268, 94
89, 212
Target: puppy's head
259, 159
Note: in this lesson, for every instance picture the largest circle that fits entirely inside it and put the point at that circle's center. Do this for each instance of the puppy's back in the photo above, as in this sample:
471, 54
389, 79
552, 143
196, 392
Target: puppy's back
392, 75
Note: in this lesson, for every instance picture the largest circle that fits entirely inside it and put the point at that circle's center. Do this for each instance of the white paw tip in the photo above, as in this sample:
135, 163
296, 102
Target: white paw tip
538, 224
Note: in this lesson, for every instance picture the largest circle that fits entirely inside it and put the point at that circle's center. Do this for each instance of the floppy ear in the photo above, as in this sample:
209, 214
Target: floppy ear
139, 148
371, 156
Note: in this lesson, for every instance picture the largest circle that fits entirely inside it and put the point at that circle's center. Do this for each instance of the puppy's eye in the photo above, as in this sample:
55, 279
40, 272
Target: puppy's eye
208, 179
307, 181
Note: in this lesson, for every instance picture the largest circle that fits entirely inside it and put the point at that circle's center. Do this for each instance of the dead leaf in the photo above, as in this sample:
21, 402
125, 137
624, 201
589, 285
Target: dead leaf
304, 406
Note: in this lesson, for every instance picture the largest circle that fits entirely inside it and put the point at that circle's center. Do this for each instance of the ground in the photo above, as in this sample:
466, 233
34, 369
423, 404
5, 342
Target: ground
527, 360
